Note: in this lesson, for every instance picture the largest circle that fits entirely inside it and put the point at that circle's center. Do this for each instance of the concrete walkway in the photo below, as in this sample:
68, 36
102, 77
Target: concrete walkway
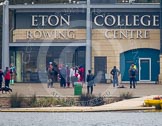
40, 89
143, 91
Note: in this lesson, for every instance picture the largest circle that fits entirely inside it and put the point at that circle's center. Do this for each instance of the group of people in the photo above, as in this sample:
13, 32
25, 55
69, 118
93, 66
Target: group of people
67, 76
64, 74
133, 71
8, 76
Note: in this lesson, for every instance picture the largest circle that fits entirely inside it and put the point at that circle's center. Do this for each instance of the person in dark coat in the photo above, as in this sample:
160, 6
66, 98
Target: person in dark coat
132, 76
68, 76
90, 82
1, 77
62, 76
115, 73
56, 71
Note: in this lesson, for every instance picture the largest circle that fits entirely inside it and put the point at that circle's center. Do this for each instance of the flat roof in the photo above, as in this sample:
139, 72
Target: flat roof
47, 6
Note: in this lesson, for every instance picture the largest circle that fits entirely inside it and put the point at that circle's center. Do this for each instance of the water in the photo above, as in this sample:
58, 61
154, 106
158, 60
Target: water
82, 119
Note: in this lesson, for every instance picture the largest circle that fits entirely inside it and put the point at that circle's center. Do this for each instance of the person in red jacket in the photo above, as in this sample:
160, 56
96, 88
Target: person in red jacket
81, 72
7, 77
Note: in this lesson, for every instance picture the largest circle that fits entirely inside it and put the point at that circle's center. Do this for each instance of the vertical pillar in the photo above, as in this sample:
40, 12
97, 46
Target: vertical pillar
160, 75
88, 37
5, 37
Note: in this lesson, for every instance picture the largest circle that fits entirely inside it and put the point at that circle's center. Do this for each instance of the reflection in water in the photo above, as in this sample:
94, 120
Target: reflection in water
82, 119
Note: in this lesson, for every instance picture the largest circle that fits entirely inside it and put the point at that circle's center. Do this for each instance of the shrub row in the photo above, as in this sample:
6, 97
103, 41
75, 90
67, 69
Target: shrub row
17, 101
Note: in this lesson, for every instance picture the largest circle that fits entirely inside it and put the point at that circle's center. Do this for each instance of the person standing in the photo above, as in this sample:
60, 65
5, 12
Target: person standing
56, 71
132, 76
77, 75
1, 78
13, 73
7, 77
135, 67
72, 75
50, 74
68, 76
90, 82
115, 73
81, 72
62, 75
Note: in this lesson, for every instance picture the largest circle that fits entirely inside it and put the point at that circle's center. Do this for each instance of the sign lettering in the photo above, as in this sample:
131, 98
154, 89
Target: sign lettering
127, 34
126, 20
51, 20
54, 34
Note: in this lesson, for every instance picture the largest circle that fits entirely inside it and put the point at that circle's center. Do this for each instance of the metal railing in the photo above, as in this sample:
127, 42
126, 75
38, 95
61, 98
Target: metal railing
138, 1
123, 1
13, 2
81, 1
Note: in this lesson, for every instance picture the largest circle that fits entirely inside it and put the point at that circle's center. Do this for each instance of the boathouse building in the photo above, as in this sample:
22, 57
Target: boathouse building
95, 35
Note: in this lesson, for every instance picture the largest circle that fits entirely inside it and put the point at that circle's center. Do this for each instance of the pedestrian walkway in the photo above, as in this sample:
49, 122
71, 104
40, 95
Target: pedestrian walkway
40, 89
143, 91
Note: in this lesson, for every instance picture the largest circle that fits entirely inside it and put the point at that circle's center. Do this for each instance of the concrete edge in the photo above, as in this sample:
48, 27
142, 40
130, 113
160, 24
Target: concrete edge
74, 109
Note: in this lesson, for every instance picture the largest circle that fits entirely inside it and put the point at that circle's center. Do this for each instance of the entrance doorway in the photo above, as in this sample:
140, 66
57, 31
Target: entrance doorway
100, 69
144, 69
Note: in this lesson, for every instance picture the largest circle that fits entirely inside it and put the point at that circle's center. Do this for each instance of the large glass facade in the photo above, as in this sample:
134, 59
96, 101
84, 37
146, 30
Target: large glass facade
31, 65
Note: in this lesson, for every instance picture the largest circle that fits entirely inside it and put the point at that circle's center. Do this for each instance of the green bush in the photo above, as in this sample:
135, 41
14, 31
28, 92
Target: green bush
44, 102
32, 101
16, 100
70, 102
49, 102
90, 100
84, 100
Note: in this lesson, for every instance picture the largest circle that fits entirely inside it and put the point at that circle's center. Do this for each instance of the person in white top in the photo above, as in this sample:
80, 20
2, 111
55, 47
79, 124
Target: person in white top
72, 72
74, 75
77, 75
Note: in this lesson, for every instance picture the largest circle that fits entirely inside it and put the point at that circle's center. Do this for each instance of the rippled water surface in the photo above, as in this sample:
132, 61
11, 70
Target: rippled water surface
82, 119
